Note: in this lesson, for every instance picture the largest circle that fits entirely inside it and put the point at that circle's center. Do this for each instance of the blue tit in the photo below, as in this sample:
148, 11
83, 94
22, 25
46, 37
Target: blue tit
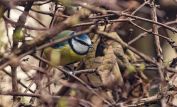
69, 51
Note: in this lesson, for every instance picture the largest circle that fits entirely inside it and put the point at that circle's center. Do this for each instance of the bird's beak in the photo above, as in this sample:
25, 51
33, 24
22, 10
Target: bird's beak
90, 46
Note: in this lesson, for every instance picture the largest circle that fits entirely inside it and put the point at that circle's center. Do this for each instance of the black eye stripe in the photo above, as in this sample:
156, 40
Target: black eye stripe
82, 42
72, 47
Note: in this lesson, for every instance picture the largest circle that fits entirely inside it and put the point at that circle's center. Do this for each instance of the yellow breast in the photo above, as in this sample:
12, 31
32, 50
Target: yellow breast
62, 56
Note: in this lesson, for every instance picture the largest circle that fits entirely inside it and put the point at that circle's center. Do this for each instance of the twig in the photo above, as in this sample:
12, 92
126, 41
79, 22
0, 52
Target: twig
99, 10
40, 96
75, 77
141, 6
157, 41
50, 13
6, 61
142, 55
21, 20
170, 41
34, 18
14, 24
22, 84
158, 51
149, 30
84, 71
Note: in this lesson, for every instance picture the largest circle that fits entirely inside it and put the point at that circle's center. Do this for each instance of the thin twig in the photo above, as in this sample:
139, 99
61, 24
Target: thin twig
142, 55
75, 77
157, 41
22, 84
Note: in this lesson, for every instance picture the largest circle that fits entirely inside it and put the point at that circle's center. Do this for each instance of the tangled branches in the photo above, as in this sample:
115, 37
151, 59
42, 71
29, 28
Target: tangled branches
126, 66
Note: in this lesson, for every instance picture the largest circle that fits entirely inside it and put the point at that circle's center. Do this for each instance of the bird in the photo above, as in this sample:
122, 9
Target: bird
70, 51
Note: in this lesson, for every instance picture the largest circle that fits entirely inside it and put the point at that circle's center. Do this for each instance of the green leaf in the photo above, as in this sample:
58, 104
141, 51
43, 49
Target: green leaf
131, 68
63, 102
142, 67
66, 2
18, 35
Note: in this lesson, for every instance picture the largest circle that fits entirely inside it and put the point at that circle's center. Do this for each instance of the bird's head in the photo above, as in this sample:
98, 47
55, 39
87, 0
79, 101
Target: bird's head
80, 44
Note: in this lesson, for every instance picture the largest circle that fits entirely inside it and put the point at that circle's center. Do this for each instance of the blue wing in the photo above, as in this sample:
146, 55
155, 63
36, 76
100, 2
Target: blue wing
61, 35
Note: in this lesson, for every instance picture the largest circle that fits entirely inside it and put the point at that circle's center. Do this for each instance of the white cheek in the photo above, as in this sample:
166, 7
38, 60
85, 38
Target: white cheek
88, 41
79, 47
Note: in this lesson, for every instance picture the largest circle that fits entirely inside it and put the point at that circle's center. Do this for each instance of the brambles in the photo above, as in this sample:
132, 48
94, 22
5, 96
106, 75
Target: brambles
130, 63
